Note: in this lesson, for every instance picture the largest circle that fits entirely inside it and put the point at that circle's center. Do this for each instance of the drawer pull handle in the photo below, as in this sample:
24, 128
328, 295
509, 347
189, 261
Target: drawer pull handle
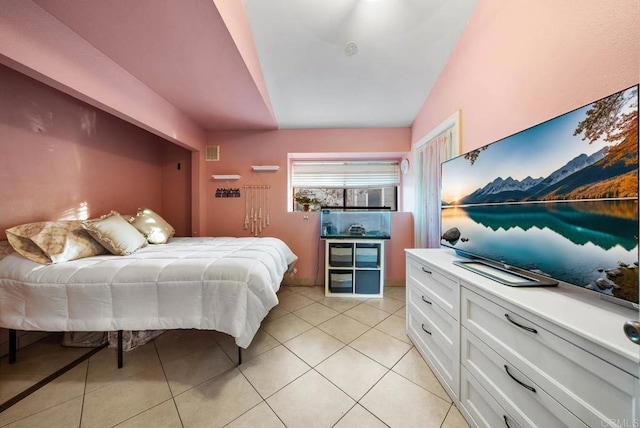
532, 330
425, 270
425, 330
506, 421
530, 388
426, 301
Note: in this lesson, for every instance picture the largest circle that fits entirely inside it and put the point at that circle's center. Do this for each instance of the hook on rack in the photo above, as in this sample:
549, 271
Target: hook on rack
256, 208
223, 192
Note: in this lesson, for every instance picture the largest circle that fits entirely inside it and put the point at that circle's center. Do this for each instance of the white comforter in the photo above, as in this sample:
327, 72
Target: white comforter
223, 284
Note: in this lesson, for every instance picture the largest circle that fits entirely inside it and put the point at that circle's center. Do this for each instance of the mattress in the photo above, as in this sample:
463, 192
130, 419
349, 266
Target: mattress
224, 284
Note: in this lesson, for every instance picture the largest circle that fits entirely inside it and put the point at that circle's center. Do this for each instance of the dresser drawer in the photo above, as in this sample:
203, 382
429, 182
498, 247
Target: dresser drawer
440, 288
438, 320
592, 389
529, 404
440, 353
480, 409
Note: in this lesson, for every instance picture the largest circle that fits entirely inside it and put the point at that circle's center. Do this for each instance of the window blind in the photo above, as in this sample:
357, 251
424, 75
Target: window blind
344, 174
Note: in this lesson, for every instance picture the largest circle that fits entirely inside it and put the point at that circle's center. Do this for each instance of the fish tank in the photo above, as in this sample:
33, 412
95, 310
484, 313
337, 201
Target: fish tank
355, 223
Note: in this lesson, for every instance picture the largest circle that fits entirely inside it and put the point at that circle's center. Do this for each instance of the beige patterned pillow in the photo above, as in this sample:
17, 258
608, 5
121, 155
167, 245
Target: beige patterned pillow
115, 234
53, 241
152, 226
5, 249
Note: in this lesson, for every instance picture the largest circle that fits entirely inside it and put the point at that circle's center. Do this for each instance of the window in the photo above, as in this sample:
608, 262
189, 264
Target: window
352, 183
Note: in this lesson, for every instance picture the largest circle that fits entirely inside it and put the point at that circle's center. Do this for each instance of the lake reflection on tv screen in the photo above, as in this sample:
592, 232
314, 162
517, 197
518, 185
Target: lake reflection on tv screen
575, 242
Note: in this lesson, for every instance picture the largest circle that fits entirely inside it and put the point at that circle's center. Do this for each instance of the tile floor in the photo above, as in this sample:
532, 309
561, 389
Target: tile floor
316, 362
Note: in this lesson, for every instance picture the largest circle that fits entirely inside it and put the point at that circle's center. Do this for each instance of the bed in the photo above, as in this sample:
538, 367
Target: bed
224, 284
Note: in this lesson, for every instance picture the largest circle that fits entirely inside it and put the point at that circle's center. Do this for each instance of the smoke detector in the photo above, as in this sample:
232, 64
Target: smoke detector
351, 49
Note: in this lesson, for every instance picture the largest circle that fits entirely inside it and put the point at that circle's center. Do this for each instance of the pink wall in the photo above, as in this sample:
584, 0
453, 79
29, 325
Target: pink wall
235, 18
240, 150
36, 44
61, 158
520, 63
176, 188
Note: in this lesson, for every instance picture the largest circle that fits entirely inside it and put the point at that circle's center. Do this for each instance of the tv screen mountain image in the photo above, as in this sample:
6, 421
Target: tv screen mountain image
560, 198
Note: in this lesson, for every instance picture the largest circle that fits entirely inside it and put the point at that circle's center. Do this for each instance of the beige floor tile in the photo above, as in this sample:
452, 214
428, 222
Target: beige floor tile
174, 344
13, 384
314, 293
314, 346
316, 313
164, 415
386, 304
285, 290
398, 293
352, 372
217, 402
273, 370
396, 327
359, 417
343, 328
455, 419
340, 304
126, 398
260, 416
66, 414
310, 401
139, 395
275, 313
367, 314
381, 347
294, 301
286, 327
261, 343
43, 357
413, 367
402, 312
401, 403
103, 366
197, 367
64, 388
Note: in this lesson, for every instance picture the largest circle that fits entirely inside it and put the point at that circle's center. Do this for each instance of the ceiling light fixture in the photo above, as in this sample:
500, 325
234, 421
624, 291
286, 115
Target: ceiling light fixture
351, 49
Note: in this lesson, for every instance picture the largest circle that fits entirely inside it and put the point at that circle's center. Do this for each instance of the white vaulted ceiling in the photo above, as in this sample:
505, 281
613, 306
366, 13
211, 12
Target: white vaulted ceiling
402, 46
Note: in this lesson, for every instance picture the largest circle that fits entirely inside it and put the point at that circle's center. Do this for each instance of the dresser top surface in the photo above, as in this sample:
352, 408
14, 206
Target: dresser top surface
579, 311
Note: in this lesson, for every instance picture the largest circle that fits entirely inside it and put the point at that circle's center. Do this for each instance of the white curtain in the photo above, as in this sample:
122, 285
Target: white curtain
428, 157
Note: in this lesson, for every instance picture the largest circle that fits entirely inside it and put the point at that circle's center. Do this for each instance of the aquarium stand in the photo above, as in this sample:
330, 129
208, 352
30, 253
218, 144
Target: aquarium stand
354, 267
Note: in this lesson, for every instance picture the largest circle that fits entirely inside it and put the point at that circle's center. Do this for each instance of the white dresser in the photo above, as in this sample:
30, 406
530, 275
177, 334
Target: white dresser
521, 357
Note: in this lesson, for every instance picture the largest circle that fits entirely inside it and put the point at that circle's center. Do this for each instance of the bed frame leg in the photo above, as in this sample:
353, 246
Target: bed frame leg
239, 355
13, 346
120, 358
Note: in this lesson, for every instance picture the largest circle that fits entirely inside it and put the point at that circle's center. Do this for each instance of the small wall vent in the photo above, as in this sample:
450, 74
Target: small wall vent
212, 153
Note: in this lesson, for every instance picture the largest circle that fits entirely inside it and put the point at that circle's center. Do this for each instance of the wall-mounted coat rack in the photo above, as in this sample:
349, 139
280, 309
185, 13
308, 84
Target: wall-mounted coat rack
256, 208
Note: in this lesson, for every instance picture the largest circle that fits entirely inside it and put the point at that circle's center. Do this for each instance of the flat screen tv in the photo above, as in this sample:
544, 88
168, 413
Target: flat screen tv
559, 199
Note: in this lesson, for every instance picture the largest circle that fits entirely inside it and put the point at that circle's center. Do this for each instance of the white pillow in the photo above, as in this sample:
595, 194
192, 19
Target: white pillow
152, 226
115, 234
